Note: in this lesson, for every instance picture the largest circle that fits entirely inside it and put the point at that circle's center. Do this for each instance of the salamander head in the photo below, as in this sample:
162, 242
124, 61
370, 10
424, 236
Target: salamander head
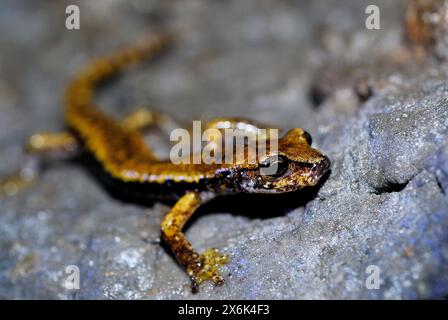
295, 165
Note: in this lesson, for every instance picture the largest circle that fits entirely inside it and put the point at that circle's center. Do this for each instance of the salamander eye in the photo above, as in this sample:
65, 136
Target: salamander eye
275, 166
308, 138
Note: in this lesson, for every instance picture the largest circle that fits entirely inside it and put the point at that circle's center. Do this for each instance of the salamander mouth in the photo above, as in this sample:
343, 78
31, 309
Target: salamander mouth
319, 169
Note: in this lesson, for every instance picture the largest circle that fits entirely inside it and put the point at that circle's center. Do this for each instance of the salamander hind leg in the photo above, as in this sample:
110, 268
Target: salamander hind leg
141, 120
38, 147
144, 119
59, 145
200, 267
21, 178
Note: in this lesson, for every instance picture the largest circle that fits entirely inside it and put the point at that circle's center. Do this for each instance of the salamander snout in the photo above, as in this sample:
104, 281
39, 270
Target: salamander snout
320, 168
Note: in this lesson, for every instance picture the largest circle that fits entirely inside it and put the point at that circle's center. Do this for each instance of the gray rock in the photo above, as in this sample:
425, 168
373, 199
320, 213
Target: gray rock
383, 205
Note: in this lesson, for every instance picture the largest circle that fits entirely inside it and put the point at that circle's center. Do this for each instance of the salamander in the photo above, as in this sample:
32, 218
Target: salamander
119, 149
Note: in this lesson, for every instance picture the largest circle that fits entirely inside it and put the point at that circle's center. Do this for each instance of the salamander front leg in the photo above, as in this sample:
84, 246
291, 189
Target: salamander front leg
200, 267
39, 146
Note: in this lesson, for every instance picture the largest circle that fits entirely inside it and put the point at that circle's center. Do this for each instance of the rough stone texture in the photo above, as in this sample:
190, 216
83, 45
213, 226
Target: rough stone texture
383, 204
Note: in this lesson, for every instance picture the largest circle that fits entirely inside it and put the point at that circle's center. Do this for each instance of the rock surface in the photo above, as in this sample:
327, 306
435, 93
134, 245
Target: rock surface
383, 205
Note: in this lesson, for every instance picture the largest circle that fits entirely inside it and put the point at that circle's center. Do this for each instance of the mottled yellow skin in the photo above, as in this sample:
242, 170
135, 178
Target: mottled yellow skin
120, 149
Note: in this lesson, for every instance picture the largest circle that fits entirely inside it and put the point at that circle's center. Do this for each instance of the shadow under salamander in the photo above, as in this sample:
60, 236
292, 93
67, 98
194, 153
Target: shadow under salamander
253, 206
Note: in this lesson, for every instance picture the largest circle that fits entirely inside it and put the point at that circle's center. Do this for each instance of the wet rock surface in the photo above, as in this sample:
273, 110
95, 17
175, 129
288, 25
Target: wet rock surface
384, 204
